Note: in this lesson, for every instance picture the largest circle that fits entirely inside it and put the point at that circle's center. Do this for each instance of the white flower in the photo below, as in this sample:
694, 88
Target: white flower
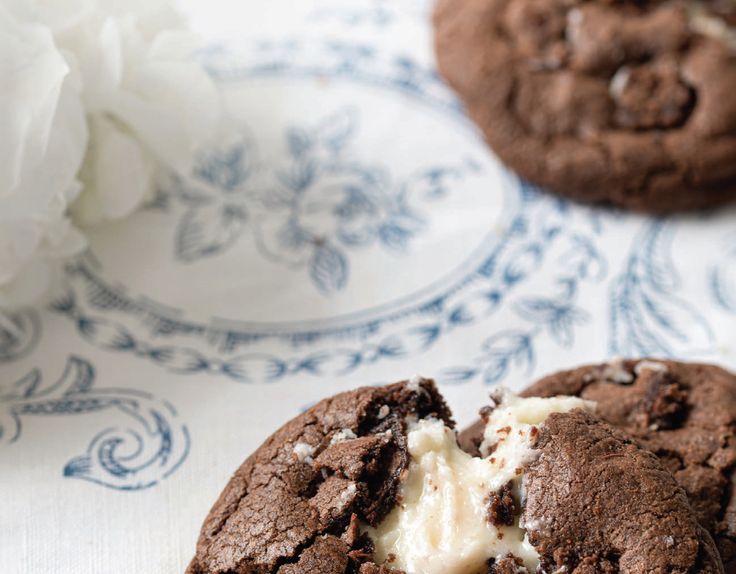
147, 101
96, 95
44, 137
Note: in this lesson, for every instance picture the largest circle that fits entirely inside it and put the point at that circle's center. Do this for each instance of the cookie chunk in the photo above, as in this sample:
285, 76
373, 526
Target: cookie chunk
684, 413
295, 504
621, 102
373, 481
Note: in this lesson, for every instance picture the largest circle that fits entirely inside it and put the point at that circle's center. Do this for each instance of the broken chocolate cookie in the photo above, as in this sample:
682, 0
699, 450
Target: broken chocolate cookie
373, 481
684, 413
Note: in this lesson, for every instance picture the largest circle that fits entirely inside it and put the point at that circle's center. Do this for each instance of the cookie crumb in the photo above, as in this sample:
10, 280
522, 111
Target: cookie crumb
502, 508
664, 405
348, 493
574, 22
383, 412
645, 365
615, 372
711, 25
304, 452
414, 384
508, 564
342, 435
619, 81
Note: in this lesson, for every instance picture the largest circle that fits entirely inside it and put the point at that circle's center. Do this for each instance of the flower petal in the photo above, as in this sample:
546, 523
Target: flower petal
117, 176
33, 71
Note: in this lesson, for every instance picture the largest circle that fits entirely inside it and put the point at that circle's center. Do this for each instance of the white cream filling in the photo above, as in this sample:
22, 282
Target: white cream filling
441, 522
619, 81
615, 372
647, 365
708, 24
304, 452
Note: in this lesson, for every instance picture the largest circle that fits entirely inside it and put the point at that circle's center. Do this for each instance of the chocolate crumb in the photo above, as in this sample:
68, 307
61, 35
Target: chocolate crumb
502, 508
508, 564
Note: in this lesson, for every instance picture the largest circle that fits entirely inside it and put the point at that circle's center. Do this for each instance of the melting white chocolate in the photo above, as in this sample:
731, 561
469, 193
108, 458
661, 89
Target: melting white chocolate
704, 22
647, 365
441, 523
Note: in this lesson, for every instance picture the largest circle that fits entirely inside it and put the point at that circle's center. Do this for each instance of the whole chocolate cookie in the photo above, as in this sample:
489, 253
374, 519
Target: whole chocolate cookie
373, 482
625, 102
684, 413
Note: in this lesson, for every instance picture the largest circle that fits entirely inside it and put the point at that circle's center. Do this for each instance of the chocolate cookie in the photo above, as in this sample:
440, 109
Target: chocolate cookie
685, 413
625, 102
373, 482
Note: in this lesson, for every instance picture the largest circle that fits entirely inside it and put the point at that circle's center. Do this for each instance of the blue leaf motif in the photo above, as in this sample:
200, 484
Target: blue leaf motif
299, 142
299, 177
226, 169
504, 350
328, 269
312, 364
722, 279
530, 192
583, 259
458, 375
106, 334
335, 131
495, 369
255, 367
395, 236
431, 184
343, 361
427, 334
19, 334
179, 359
647, 318
522, 263
291, 236
390, 347
651, 323
356, 237
357, 203
409, 72
558, 317
656, 260
21, 389
538, 309
475, 305
78, 466
208, 230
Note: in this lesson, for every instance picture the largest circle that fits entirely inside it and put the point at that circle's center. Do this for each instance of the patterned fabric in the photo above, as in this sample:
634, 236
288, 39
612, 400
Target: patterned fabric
354, 230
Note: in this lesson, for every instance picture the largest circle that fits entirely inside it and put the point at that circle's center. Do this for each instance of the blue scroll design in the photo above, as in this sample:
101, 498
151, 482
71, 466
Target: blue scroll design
149, 447
722, 277
555, 315
20, 332
310, 211
108, 317
648, 317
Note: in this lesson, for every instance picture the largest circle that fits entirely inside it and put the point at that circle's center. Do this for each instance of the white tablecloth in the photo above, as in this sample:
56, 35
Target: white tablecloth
354, 230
